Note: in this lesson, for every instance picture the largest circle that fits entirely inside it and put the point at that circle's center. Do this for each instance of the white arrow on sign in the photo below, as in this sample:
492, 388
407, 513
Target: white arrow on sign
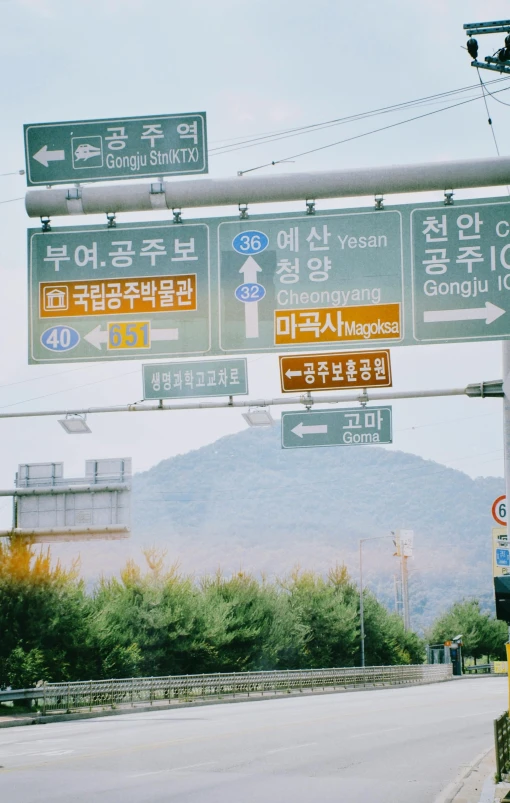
251, 308
164, 334
303, 429
489, 313
44, 156
97, 336
290, 373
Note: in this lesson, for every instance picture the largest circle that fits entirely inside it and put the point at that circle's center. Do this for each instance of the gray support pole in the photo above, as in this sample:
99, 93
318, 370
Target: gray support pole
355, 182
475, 391
361, 612
506, 416
405, 594
506, 434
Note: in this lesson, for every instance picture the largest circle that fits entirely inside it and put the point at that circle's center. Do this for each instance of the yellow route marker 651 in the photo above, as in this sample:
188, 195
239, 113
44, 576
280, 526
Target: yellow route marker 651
129, 335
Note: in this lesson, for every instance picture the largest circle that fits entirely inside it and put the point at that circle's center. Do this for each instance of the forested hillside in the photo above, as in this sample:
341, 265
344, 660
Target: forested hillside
244, 502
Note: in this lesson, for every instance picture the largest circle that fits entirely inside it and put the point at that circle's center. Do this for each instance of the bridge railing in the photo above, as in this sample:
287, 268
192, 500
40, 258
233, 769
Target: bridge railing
54, 697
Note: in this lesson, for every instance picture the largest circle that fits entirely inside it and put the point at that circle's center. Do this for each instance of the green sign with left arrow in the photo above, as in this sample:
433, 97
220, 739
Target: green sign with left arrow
112, 149
353, 426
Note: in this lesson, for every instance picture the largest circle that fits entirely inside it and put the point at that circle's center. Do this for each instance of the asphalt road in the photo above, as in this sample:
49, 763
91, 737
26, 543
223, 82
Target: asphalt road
385, 746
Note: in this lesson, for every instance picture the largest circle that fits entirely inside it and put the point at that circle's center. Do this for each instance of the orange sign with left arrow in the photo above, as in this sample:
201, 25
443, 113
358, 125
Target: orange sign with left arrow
340, 370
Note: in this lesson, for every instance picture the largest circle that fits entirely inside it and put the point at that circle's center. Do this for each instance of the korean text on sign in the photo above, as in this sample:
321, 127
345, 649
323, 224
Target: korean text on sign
118, 296
335, 324
190, 378
122, 255
366, 419
333, 371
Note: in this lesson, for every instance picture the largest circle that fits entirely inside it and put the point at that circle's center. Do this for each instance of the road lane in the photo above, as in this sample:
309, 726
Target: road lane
381, 744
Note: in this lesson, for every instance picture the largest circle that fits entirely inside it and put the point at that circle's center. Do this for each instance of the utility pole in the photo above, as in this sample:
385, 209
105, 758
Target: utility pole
361, 607
404, 549
405, 593
500, 62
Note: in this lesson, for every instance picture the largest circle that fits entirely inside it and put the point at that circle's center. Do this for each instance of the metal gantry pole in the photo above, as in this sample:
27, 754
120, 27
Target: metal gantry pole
354, 182
491, 389
361, 612
506, 452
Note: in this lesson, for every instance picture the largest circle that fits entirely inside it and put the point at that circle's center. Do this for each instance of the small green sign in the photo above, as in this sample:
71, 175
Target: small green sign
122, 148
193, 380
356, 426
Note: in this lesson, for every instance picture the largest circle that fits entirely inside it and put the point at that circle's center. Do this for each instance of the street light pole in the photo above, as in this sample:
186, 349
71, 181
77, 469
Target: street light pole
361, 610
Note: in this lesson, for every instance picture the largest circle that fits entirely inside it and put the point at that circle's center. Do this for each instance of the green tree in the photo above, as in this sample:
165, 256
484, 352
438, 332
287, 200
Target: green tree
386, 640
43, 613
482, 635
148, 624
253, 628
326, 610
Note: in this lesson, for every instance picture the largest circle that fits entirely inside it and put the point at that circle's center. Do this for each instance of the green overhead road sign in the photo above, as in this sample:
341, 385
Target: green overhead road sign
461, 272
197, 379
120, 148
306, 281
134, 291
339, 280
346, 427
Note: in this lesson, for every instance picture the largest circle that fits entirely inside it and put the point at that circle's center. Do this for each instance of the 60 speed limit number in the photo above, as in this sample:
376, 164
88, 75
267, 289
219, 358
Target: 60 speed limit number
499, 510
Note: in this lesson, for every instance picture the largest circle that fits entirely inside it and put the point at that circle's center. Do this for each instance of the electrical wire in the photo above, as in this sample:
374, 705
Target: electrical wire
10, 200
489, 118
46, 376
282, 134
498, 100
67, 390
365, 134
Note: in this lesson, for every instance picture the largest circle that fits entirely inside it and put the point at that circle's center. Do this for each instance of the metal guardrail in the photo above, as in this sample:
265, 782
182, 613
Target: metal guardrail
115, 692
487, 668
502, 745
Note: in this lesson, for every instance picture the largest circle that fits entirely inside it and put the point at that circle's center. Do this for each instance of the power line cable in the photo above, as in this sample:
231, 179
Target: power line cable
282, 134
46, 376
365, 134
76, 387
489, 118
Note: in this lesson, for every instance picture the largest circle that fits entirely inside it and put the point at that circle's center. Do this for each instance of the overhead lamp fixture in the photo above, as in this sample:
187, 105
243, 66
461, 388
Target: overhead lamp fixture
258, 417
75, 424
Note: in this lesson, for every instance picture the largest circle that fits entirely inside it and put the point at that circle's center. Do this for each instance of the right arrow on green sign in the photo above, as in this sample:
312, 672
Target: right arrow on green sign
489, 313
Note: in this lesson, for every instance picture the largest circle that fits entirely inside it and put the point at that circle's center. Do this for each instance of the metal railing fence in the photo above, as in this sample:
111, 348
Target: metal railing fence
115, 692
502, 745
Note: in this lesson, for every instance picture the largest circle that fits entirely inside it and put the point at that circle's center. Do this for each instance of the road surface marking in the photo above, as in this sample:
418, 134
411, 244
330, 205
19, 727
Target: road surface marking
292, 747
375, 733
173, 769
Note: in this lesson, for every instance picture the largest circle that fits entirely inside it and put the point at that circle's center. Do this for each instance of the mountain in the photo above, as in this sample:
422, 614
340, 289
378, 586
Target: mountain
243, 502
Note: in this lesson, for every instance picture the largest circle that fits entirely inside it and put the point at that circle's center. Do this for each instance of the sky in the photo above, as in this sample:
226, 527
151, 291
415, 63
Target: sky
255, 68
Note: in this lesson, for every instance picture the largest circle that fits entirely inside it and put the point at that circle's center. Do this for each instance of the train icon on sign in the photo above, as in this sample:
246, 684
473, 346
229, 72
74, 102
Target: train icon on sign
87, 152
